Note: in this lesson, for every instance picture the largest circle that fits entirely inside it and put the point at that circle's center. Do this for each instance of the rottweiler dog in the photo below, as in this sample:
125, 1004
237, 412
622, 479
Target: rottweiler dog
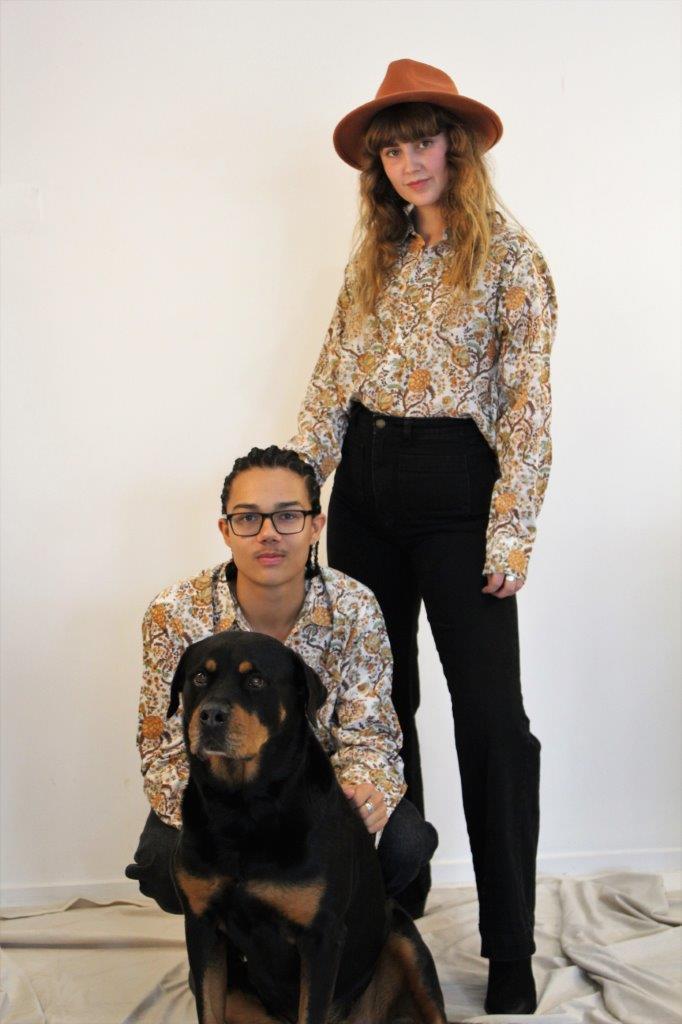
286, 917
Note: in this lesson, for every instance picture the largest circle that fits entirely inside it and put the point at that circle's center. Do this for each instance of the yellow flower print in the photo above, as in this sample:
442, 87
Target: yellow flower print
328, 398
372, 643
152, 727
461, 355
367, 362
321, 617
517, 561
515, 298
159, 616
419, 380
328, 466
520, 400
225, 623
354, 710
203, 586
384, 401
505, 502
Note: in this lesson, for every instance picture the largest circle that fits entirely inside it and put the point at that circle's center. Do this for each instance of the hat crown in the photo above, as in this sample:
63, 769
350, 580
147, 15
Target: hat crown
411, 76
410, 81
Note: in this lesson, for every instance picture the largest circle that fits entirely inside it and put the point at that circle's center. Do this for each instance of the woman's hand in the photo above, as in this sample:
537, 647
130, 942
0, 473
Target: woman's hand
499, 586
375, 815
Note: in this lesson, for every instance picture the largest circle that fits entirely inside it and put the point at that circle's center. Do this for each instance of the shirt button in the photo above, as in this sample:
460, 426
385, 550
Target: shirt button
380, 424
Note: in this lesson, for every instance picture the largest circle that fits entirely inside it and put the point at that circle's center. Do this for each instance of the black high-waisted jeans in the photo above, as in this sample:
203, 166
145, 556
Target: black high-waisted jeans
407, 517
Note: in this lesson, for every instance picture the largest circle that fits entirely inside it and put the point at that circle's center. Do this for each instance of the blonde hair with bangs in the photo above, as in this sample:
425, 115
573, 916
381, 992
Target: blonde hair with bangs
468, 202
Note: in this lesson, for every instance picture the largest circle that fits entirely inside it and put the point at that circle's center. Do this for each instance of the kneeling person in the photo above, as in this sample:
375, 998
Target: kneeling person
271, 520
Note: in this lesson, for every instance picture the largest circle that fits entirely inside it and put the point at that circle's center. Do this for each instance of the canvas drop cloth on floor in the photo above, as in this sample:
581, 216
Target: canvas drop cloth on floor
609, 950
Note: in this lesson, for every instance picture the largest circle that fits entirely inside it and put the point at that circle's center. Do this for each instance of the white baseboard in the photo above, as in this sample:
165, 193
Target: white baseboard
445, 872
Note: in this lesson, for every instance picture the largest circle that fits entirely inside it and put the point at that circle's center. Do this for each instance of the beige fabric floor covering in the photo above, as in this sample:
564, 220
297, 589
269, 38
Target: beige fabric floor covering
608, 950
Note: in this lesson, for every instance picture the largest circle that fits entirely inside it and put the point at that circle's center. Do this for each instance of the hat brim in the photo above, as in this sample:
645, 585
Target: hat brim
349, 132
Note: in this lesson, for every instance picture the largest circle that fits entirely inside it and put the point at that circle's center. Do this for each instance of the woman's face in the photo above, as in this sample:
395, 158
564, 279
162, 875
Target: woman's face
417, 170
270, 558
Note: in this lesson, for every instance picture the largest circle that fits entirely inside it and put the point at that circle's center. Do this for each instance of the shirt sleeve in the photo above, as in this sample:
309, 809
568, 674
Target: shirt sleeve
160, 739
365, 728
527, 313
323, 417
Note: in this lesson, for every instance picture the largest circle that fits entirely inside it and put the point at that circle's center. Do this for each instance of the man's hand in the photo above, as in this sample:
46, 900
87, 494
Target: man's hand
499, 586
370, 804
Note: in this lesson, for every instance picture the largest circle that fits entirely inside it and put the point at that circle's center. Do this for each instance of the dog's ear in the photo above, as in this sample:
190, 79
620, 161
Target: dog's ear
314, 691
176, 686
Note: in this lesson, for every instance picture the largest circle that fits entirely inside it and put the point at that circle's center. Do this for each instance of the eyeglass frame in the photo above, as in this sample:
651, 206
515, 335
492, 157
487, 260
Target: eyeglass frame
228, 517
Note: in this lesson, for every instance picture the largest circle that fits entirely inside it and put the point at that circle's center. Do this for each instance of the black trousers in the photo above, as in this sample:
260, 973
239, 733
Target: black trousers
407, 517
406, 845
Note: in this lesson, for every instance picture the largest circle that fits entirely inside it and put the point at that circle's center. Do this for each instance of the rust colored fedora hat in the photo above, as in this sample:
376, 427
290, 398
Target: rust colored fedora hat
408, 81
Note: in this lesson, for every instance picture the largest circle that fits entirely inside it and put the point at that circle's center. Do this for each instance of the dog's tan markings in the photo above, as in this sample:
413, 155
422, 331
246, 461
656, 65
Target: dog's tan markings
194, 731
241, 1008
298, 903
381, 995
245, 666
211, 665
304, 992
246, 733
222, 768
397, 989
406, 955
235, 773
251, 768
200, 891
213, 989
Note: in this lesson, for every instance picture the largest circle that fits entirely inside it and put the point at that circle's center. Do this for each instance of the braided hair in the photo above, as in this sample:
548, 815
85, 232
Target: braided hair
276, 458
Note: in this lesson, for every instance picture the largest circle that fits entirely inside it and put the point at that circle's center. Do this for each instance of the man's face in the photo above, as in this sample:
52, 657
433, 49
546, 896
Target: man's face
270, 558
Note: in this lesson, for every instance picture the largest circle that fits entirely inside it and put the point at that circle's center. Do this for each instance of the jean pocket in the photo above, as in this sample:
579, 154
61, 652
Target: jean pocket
433, 486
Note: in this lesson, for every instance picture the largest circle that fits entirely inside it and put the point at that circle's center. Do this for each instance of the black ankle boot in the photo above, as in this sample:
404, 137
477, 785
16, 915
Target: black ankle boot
511, 987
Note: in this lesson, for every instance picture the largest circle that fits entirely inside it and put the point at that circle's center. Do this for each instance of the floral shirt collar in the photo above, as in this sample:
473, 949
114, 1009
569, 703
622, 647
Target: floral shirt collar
315, 610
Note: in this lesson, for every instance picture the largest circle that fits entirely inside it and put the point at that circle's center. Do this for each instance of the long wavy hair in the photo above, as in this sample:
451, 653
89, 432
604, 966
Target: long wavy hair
469, 202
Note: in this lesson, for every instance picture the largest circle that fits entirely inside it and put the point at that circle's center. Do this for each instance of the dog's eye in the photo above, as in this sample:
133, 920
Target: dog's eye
255, 682
200, 679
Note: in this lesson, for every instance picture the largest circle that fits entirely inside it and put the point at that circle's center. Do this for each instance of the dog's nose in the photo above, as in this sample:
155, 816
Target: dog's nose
213, 714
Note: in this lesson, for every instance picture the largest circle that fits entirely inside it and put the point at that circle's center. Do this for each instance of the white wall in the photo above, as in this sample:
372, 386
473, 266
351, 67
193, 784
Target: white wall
177, 223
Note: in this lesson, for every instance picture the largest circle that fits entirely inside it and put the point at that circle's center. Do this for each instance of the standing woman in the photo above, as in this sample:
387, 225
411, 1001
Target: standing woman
431, 394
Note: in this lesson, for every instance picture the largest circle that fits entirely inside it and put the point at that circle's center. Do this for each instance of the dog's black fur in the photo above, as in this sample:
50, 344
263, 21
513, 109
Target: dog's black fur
286, 917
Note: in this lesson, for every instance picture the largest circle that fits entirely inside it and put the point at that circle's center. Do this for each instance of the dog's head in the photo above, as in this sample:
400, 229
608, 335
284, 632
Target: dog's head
239, 691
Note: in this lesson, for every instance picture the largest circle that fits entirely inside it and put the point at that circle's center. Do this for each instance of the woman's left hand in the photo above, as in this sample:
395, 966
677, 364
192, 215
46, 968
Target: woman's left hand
370, 805
498, 586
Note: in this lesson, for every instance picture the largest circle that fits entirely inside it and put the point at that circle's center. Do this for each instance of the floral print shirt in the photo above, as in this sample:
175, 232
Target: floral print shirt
425, 352
340, 633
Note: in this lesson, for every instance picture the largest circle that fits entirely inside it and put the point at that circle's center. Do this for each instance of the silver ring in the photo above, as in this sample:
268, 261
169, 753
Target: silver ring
369, 805
511, 577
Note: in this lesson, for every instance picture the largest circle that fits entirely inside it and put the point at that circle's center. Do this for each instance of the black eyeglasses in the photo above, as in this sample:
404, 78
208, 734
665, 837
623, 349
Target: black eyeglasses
288, 520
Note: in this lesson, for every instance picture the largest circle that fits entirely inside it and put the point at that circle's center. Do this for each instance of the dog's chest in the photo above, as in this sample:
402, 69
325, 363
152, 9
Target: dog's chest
291, 904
